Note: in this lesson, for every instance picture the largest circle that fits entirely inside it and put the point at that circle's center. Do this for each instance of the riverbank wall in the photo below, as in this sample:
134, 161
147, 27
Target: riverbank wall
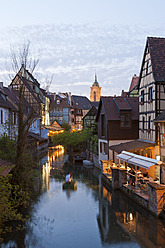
153, 200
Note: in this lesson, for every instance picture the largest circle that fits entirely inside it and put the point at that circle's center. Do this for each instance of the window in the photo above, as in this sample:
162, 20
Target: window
142, 96
94, 96
143, 123
79, 111
100, 147
102, 125
125, 120
14, 119
150, 94
58, 101
105, 148
1, 116
15, 86
149, 123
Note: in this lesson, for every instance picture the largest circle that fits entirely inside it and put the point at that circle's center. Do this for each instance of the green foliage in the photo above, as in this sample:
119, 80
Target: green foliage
66, 126
7, 149
74, 141
12, 199
17, 189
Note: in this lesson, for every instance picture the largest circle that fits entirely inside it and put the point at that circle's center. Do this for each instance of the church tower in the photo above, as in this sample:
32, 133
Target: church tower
95, 91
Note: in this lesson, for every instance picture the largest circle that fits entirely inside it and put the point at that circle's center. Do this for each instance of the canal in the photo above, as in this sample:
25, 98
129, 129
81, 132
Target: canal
91, 216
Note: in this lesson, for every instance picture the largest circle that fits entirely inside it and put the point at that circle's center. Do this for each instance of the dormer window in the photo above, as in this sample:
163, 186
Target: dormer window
125, 120
15, 86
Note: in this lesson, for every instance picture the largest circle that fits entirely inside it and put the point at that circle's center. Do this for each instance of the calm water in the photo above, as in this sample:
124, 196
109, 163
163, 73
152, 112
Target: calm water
91, 216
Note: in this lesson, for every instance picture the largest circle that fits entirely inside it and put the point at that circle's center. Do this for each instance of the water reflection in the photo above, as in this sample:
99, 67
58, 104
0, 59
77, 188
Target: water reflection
92, 216
55, 157
122, 220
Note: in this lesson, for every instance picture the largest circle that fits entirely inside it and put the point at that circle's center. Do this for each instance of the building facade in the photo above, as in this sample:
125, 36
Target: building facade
152, 91
117, 119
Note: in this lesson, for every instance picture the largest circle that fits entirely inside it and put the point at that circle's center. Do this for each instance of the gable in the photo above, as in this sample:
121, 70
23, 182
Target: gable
153, 62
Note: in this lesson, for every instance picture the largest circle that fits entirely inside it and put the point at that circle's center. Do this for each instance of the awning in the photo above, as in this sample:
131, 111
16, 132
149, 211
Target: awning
138, 160
123, 157
141, 163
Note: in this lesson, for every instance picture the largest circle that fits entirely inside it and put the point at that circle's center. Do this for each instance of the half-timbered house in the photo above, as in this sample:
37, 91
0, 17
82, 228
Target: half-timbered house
34, 95
59, 109
8, 113
80, 106
152, 91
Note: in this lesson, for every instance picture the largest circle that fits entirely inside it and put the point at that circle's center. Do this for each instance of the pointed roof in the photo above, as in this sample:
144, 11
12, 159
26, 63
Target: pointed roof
95, 82
80, 102
134, 82
113, 106
156, 47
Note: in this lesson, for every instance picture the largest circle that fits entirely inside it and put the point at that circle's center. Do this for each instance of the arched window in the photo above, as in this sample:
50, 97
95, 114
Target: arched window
94, 96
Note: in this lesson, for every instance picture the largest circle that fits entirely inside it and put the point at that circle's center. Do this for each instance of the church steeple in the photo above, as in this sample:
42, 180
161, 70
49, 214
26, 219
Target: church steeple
95, 91
95, 77
95, 82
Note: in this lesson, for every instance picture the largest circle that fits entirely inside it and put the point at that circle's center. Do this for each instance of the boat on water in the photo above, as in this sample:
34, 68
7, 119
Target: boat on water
72, 185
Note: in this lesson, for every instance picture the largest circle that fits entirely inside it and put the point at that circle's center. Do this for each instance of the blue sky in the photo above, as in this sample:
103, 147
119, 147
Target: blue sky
77, 38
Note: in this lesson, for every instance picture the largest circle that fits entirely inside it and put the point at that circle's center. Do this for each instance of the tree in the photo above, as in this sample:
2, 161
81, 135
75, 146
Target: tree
27, 109
23, 56
73, 141
66, 126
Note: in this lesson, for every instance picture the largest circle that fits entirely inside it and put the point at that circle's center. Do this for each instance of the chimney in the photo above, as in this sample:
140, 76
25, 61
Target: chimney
54, 94
70, 102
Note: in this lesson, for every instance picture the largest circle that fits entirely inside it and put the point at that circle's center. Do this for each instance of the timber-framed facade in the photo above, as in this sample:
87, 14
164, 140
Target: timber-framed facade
151, 89
33, 94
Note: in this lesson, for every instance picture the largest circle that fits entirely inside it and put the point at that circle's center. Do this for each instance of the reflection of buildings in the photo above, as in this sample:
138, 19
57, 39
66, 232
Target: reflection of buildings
121, 219
47, 162
46, 176
111, 231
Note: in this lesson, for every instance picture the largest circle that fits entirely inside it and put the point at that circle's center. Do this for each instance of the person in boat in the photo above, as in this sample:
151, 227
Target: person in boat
68, 178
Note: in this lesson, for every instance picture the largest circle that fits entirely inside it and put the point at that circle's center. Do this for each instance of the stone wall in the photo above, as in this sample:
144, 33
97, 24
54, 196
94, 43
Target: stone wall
156, 198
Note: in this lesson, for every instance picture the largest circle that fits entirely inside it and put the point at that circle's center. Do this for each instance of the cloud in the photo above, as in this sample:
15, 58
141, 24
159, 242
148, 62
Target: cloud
72, 53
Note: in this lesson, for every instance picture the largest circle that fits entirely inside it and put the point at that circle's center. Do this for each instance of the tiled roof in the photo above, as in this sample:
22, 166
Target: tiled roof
5, 167
10, 95
113, 106
53, 102
95, 104
122, 103
55, 127
81, 102
160, 118
91, 112
13, 98
157, 51
131, 146
134, 82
